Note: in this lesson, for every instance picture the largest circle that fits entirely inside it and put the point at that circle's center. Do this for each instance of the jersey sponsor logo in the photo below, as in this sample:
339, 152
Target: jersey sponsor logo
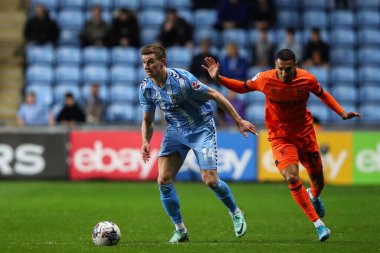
196, 86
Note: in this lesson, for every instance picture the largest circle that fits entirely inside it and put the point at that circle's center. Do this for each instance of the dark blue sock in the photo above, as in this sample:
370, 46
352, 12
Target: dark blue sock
223, 192
170, 202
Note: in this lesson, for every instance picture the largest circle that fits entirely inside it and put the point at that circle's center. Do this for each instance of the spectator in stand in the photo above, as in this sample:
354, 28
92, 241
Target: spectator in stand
125, 29
95, 31
175, 31
32, 114
94, 105
40, 29
71, 113
263, 50
262, 13
291, 43
202, 4
232, 14
196, 64
232, 63
314, 49
239, 107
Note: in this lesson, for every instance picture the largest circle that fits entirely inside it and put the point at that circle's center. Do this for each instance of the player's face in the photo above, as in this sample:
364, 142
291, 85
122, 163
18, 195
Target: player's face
285, 70
152, 66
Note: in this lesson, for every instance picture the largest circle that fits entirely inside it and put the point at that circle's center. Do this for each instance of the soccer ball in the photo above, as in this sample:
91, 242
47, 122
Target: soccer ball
106, 233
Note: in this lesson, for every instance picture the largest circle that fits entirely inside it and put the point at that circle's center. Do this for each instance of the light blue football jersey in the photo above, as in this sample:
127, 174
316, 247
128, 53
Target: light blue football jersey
182, 99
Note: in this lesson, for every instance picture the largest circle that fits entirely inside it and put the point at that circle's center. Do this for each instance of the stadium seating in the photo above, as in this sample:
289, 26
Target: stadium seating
120, 112
287, 4
39, 73
345, 93
60, 91
95, 73
343, 38
129, 4
367, 4
71, 19
68, 55
67, 73
368, 18
288, 18
123, 93
342, 19
153, 4
320, 111
123, 74
49, 4
370, 112
369, 56
315, 18
206, 33
205, 18
179, 57
149, 35
369, 37
103, 92
342, 57
69, 37
105, 5
321, 5
369, 74
96, 55
180, 4
321, 73
72, 4
40, 54
256, 113
125, 55
370, 93
44, 93
343, 74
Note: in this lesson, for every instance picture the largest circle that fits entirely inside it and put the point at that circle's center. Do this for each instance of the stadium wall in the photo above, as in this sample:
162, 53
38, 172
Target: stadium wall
348, 157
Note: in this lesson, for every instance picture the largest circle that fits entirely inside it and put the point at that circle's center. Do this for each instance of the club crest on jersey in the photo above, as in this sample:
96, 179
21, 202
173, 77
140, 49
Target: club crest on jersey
195, 85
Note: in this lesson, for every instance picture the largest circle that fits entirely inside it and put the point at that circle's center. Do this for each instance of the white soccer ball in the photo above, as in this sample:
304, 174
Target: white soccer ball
106, 233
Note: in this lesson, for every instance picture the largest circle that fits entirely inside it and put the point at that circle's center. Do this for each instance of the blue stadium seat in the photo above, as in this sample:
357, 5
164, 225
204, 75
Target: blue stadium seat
71, 19
342, 19
348, 107
120, 112
140, 74
124, 93
367, 4
342, 74
256, 113
129, 4
104, 4
187, 15
370, 94
288, 18
280, 35
179, 57
239, 36
125, 55
203, 17
40, 54
316, 5
68, 73
69, 37
321, 73
369, 74
60, 91
287, 4
368, 18
342, 38
149, 35
180, 4
206, 33
151, 18
320, 111
44, 93
370, 112
254, 34
68, 55
49, 4
103, 92
153, 4
39, 73
369, 56
342, 57
369, 37
253, 70
56, 109
345, 93
256, 98
95, 73
325, 35
96, 55
313, 19
124, 74
72, 4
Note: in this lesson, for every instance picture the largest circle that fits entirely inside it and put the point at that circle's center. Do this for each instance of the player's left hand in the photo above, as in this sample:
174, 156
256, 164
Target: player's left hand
246, 126
350, 115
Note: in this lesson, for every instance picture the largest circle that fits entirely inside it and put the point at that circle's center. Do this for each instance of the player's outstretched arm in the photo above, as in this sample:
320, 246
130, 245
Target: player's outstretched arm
213, 68
243, 125
350, 115
147, 127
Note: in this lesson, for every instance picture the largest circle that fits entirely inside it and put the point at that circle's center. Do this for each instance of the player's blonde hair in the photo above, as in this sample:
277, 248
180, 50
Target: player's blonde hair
156, 49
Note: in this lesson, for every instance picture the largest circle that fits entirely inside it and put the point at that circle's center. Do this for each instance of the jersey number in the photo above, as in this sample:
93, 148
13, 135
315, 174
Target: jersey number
207, 153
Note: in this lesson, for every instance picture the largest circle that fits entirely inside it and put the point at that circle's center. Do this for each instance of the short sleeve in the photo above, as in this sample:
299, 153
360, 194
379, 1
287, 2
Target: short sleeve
193, 87
146, 104
255, 83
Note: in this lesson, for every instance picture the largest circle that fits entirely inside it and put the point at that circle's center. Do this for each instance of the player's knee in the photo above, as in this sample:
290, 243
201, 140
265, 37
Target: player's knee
164, 179
292, 179
209, 180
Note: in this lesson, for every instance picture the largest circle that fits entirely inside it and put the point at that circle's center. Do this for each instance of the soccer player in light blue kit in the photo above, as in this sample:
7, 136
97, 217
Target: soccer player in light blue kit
185, 103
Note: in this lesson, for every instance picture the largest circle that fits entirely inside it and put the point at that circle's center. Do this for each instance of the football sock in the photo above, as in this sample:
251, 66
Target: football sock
301, 197
180, 227
170, 202
223, 192
318, 223
314, 191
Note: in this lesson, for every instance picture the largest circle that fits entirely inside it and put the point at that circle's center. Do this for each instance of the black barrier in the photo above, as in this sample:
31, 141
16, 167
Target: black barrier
33, 155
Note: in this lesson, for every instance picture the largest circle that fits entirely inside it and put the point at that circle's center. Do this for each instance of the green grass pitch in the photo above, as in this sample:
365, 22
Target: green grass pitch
59, 217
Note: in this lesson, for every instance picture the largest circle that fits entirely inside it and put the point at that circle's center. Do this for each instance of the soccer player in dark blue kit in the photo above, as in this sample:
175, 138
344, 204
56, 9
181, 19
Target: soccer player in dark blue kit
185, 103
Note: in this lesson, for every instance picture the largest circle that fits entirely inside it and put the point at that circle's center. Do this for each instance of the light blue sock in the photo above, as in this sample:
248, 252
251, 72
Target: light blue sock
223, 192
170, 202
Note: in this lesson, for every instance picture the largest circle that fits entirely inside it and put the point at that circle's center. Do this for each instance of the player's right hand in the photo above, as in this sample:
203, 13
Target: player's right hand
145, 152
212, 67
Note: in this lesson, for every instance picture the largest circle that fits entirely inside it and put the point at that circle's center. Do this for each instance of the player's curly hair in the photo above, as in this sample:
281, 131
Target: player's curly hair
285, 55
156, 49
